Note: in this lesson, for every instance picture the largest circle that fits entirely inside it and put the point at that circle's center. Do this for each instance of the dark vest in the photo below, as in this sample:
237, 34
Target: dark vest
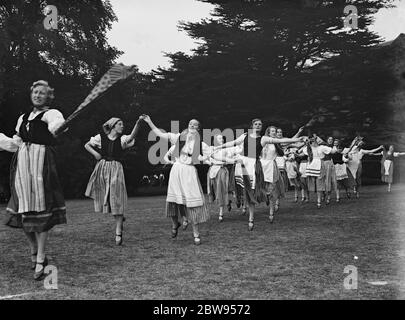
337, 158
111, 150
36, 131
252, 147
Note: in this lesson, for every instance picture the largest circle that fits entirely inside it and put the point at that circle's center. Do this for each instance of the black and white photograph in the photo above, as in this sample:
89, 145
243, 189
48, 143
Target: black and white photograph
217, 152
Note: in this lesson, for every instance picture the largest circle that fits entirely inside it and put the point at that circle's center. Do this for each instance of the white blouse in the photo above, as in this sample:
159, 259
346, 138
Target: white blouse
125, 144
54, 118
188, 148
319, 152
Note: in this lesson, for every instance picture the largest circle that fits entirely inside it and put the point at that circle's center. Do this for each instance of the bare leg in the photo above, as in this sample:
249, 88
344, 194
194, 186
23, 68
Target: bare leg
271, 213
41, 240
118, 229
196, 234
251, 216
319, 199
337, 195
221, 213
389, 187
32, 240
295, 194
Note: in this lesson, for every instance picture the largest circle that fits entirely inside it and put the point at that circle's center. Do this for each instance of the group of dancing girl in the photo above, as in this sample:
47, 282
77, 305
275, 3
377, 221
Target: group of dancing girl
254, 169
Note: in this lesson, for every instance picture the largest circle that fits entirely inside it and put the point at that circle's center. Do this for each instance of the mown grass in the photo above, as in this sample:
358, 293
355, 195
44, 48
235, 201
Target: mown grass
301, 256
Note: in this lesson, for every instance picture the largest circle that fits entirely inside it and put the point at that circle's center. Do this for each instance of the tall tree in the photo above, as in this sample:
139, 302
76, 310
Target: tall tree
255, 57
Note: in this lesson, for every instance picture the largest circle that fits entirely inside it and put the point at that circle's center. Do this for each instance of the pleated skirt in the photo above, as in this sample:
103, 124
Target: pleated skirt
107, 188
184, 194
218, 187
36, 203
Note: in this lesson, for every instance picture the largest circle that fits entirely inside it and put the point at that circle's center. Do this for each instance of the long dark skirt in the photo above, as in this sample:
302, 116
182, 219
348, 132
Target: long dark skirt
36, 203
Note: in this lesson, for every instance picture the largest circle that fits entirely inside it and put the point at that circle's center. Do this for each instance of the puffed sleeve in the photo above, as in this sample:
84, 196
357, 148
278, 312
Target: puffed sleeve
326, 149
173, 137
9, 144
19, 122
125, 143
95, 141
54, 118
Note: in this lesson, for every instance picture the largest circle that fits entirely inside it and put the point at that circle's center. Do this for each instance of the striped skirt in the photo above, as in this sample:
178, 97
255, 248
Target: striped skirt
317, 183
330, 177
36, 203
184, 194
107, 188
217, 186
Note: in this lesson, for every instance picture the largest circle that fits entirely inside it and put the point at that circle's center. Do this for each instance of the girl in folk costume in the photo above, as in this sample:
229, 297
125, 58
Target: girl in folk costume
107, 182
251, 167
316, 168
387, 165
330, 178
37, 203
184, 193
218, 175
354, 164
302, 169
340, 170
274, 185
281, 160
293, 172
281, 164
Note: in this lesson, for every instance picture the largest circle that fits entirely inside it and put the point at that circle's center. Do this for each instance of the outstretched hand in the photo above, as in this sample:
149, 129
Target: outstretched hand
145, 118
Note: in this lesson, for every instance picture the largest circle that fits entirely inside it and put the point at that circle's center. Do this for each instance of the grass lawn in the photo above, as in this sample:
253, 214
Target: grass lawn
302, 255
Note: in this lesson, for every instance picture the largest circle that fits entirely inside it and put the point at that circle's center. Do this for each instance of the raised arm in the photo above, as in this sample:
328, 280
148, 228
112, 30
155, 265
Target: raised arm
371, 151
156, 130
299, 132
266, 140
135, 130
233, 143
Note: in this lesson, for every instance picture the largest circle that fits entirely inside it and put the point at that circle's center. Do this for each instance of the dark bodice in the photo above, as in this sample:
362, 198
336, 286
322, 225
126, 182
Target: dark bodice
111, 150
36, 131
337, 158
252, 147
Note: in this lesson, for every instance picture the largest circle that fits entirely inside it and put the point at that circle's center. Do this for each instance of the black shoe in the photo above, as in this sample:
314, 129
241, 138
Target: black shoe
229, 206
175, 230
40, 274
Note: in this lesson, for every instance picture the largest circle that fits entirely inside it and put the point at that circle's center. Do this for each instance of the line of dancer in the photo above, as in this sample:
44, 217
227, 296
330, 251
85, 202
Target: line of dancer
253, 168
